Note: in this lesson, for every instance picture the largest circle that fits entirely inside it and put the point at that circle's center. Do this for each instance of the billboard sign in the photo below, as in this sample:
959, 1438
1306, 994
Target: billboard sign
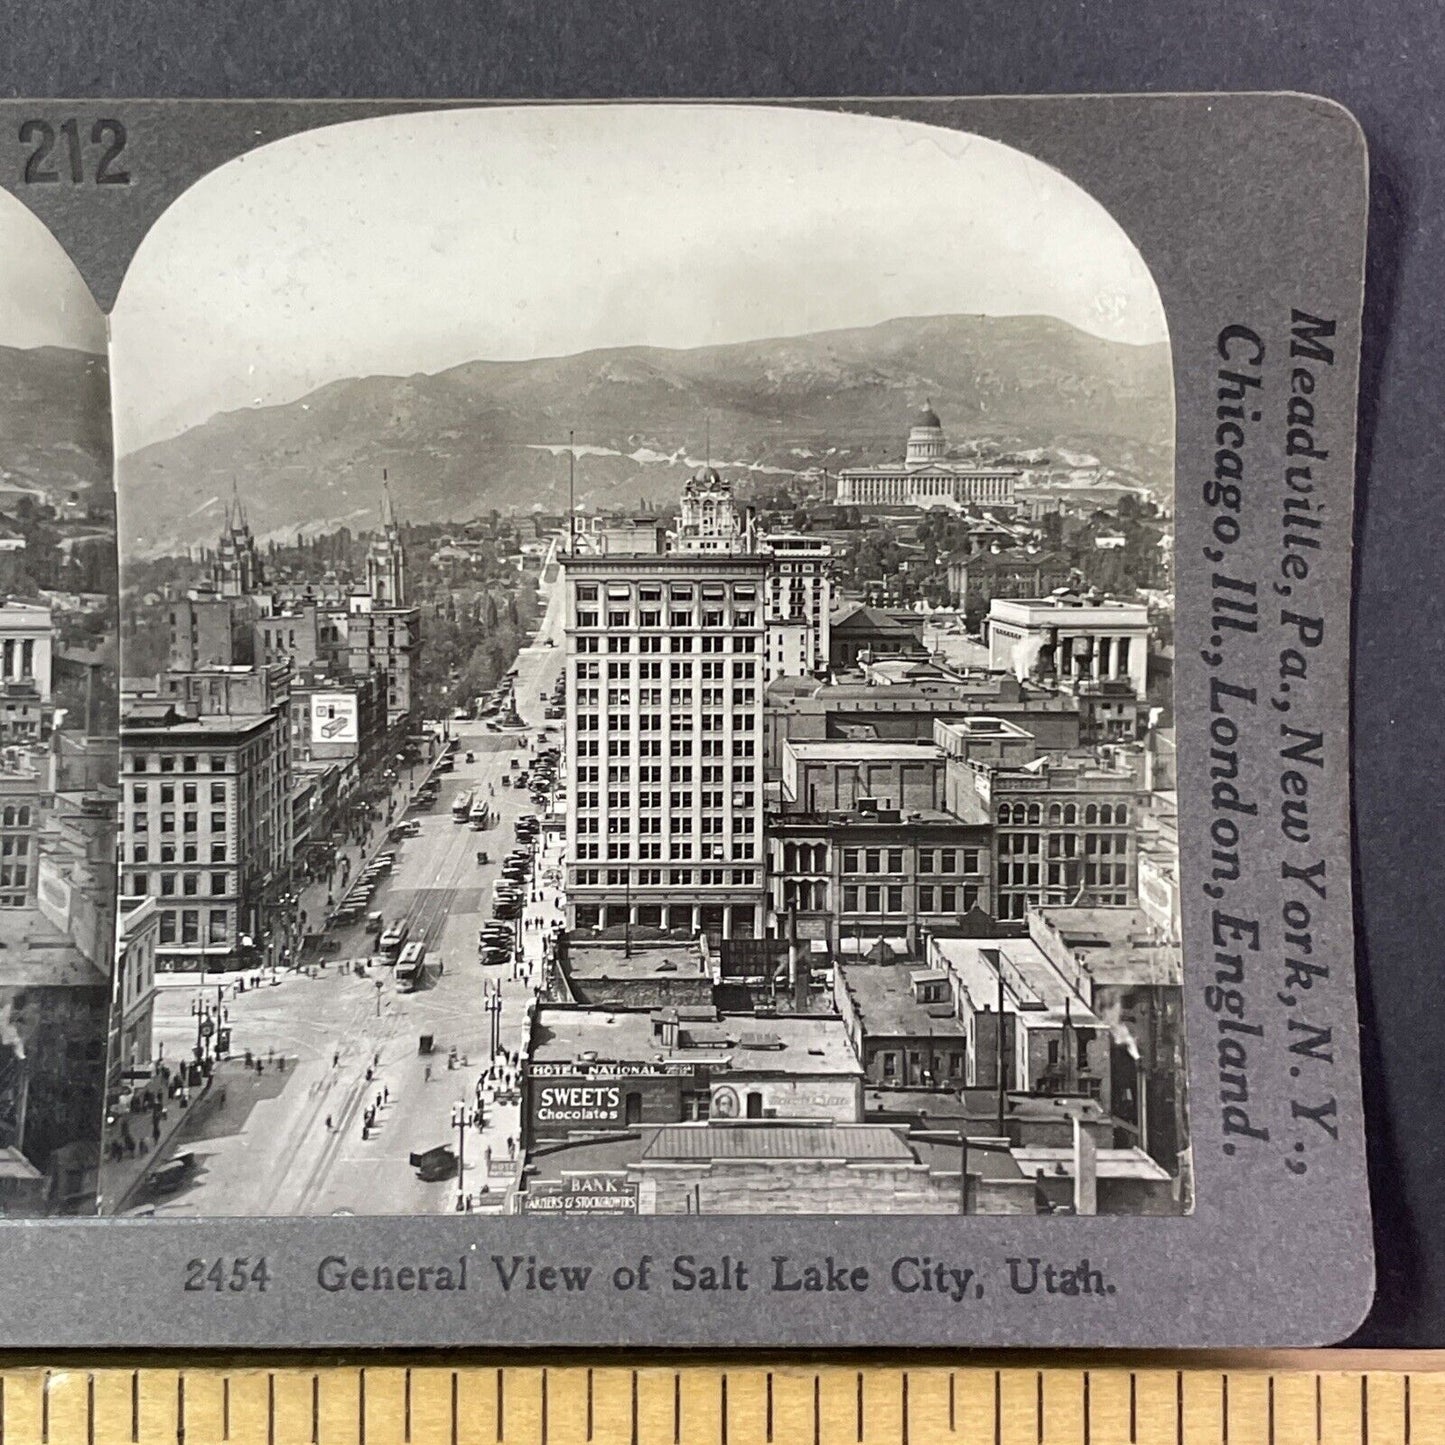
334, 717
593, 1192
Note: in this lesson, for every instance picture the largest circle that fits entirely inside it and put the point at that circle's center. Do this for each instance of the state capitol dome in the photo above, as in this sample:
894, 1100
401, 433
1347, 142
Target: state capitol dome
925, 440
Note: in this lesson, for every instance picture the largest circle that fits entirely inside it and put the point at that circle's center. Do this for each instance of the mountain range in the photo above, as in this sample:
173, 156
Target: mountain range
485, 434
54, 420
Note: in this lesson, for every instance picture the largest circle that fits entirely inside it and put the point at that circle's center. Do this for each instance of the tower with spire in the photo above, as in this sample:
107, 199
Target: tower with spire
236, 570
386, 558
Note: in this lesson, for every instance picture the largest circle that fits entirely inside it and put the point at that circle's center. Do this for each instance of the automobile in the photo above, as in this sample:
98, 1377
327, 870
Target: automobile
432, 1165
403, 830
444, 765
498, 931
388, 858
375, 923
168, 1177
471, 757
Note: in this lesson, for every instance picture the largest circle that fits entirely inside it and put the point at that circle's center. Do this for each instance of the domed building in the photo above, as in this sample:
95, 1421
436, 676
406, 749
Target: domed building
710, 521
925, 478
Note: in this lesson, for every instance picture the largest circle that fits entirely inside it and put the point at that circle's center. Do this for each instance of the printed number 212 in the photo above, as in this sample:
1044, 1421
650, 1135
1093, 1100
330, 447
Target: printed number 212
40, 169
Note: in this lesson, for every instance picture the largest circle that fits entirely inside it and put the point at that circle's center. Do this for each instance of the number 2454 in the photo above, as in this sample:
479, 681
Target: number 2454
42, 165
235, 1275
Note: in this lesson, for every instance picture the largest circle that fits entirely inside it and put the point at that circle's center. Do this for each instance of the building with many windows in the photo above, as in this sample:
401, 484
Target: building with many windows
799, 593
1065, 826
926, 478
664, 737
206, 827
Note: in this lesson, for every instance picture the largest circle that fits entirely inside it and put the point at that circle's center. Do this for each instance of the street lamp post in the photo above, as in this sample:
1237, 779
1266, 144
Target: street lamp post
459, 1122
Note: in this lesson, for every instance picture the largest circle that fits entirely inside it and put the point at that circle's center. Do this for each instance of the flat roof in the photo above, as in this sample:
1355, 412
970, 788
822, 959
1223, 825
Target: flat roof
1058, 1160
846, 749
134, 729
34, 954
1117, 946
741, 1043
1033, 988
981, 1105
883, 995
682, 959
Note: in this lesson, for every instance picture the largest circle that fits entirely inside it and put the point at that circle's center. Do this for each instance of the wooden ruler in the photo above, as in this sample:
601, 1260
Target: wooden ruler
1310, 1398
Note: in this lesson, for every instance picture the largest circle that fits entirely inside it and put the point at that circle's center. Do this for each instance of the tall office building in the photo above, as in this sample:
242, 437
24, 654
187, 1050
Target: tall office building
799, 603
665, 659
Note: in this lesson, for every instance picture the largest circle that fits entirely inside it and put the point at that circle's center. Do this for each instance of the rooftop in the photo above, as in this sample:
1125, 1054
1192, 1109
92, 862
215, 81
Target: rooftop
884, 997
1033, 988
852, 750
34, 954
741, 1043
712, 1140
598, 960
1115, 946
1111, 1163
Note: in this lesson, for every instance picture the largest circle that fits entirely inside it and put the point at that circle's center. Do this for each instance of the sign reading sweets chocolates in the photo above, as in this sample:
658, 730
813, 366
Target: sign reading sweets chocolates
986, 628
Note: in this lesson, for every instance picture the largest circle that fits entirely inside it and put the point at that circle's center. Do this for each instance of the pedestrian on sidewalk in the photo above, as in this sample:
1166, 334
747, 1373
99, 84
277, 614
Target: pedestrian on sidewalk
329, 1125
386, 1094
511, 1148
335, 1058
487, 1156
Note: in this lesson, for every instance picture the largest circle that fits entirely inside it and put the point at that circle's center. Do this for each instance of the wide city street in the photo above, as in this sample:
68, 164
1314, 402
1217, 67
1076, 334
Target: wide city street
337, 1041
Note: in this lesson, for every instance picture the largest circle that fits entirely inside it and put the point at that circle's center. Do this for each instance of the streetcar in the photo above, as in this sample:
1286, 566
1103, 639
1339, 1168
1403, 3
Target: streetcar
462, 808
410, 966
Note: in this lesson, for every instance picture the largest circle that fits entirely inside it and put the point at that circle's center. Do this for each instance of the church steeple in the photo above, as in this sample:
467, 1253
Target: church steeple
386, 557
237, 570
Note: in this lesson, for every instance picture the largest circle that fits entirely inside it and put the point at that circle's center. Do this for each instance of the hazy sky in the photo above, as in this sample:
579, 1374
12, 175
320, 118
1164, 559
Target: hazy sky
413, 243
43, 301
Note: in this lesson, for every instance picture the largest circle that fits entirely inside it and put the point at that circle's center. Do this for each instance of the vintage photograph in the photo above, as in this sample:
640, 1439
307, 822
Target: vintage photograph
58, 723
647, 679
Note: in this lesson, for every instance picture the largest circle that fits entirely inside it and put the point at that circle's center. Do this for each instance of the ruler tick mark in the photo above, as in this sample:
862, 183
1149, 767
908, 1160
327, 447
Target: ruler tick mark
315, 1409
903, 1406
1319, 1409
181, 1411
361, 1407
997, 1408
1269, 1410
45, 1410
1133, 1408
270, 1407
134, 1405
676, 1409
818, 1410
544, 1406
1087, 1425
225, 1407
501, 1403
1039, 1405
456, 1391
406, 1407
90, 1409
633, 1437
1407, 1413
1364, 1410
769, 1416
589, 1404
724, 1408
952, 1403
1179, 1406
860, 1405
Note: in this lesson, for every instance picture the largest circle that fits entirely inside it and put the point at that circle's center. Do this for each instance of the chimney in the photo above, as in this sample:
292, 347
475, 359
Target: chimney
1086, 1169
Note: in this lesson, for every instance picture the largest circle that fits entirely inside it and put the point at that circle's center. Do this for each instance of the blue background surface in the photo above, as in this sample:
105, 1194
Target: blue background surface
1381, 58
